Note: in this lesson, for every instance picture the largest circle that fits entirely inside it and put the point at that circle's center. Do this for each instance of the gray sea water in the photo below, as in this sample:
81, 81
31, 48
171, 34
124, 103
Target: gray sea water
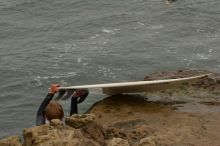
75, 42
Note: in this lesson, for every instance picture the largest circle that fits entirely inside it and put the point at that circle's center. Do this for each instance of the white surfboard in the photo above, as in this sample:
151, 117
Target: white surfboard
139, 86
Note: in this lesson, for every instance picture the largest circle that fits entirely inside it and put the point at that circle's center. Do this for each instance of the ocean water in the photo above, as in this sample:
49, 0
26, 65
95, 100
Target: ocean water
74, 42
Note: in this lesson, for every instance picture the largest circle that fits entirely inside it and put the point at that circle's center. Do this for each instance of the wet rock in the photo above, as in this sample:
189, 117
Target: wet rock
148, 141
130, 130
56, 123
79, 120
112, 132
95, 132
46, 135
117, 142
11, 141
30, 134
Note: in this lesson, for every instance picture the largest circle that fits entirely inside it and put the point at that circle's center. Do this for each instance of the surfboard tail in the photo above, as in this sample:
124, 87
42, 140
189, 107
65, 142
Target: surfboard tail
64, 94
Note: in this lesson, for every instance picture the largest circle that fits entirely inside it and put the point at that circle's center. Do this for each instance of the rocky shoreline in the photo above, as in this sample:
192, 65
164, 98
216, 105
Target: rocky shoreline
186, 116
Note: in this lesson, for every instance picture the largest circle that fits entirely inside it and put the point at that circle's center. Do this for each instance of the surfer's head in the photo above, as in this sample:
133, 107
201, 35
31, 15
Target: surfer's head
54, 111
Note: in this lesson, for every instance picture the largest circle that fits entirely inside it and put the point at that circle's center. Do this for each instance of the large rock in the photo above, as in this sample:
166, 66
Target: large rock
79, 120
117, 142
94, 132
11, 141
131, 130
148, 120
56, 123
148, 141
56, 134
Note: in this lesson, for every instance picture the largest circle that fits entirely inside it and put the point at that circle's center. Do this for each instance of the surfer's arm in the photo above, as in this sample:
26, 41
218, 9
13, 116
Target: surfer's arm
41, 113
78, 97
82, 96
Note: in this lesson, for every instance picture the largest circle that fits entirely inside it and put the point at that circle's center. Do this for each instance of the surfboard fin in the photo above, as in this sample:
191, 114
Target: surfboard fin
60, 94
69, 93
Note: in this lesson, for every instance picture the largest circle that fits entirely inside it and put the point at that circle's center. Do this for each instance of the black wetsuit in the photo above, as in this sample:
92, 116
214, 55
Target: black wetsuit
41, 113
75, 99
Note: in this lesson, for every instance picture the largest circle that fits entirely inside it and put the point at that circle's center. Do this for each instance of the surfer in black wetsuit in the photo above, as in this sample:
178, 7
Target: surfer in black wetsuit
49, 109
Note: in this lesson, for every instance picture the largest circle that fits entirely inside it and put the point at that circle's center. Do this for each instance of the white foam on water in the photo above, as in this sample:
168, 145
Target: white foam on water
79, 60
106, 72
40, 79
95, 36
69, 74
85, 63
55, 65
65, 48
188, 62
37, 81
202, 56
116, 29
63, 83
139, 25
171, 51
61, 55
109, 31
82, 61
210, 51
68, 46
213, 36
157, 26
